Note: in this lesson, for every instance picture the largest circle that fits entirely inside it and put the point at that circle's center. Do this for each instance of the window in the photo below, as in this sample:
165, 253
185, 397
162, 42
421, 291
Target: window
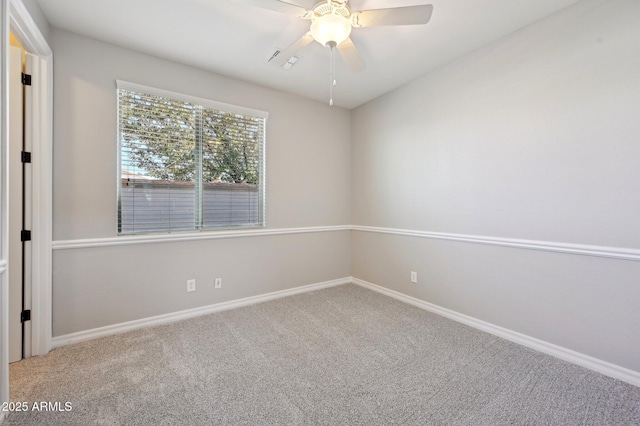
187, 163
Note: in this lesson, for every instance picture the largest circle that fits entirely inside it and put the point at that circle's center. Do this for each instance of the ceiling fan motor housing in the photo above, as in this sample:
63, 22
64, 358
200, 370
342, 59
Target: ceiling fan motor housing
332, 6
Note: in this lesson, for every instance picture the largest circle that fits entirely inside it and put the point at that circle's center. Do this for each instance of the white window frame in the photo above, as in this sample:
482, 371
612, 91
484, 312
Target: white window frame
206, 103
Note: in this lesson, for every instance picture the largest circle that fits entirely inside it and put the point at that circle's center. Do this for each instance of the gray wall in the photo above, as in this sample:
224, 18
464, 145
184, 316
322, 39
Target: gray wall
533, 137
307, 181
100, 286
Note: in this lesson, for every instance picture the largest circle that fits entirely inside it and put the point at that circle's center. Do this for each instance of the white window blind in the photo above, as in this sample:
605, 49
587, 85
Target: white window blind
187, 163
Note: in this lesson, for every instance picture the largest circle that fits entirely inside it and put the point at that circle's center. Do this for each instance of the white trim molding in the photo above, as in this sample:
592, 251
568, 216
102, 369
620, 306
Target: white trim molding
27, 31
594, 364
578, 249
4, 201
189, 236
109, 330
567, 248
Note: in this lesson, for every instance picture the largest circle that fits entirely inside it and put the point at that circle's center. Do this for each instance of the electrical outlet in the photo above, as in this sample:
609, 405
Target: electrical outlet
414, 277
218, 283
191, 285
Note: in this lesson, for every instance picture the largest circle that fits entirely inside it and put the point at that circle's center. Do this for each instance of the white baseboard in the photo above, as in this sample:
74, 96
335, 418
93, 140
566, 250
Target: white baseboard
603, 367
597, 365
109, 330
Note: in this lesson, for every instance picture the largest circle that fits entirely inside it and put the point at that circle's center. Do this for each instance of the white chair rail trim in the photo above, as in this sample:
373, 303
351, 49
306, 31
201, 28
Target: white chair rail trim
549, 246
568, 248
189, 236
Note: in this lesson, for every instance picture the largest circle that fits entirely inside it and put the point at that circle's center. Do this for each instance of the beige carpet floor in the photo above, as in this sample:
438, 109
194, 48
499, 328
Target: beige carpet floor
339, 356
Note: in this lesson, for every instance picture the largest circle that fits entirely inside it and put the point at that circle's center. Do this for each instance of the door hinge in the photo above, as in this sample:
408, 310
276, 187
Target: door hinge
25, 315
25, 157
26, 79
25, 235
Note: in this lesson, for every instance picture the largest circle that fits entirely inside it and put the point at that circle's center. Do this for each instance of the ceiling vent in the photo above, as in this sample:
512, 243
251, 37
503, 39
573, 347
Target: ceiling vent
274, 55
286, 65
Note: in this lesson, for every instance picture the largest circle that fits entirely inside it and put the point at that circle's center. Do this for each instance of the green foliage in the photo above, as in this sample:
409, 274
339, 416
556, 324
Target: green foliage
160, 138
230, 148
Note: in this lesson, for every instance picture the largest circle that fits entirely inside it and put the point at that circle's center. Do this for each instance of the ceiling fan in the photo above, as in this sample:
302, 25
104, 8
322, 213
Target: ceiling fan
331, 25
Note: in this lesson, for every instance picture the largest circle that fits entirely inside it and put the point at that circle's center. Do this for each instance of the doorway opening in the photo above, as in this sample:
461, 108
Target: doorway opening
19, 192
15, 17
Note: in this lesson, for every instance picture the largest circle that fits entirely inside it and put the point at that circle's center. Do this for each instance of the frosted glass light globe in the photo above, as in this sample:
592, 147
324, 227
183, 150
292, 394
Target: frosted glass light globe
330, 28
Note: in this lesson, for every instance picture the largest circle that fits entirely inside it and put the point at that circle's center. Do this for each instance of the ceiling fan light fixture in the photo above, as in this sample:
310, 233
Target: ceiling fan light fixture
330, 28
331, 24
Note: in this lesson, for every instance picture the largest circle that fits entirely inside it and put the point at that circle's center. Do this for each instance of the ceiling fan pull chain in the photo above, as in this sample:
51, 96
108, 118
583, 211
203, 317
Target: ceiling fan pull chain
333, 66
332, 73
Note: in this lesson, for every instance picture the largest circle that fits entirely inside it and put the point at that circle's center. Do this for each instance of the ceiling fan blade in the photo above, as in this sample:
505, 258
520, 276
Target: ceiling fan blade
294, 48
409, 15
350, 55
277, 5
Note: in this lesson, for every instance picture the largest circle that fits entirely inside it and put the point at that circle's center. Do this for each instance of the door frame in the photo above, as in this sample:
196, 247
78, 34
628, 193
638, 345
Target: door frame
28, 33
16, 18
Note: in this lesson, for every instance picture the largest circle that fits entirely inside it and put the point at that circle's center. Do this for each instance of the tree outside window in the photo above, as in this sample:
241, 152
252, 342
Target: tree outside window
185, 165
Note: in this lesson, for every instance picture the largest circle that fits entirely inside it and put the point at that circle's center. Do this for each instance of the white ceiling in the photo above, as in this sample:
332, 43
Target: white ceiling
236, 40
